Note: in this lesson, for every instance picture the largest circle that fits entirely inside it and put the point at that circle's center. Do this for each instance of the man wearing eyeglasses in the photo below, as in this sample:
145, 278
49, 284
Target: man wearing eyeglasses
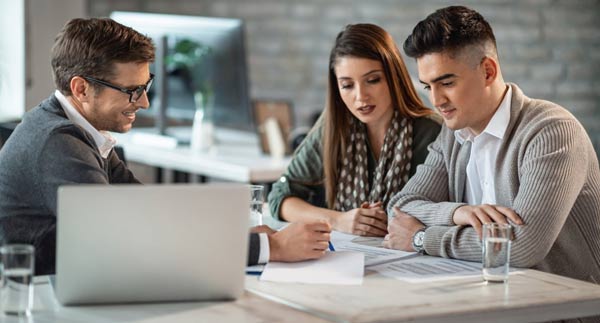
102, 75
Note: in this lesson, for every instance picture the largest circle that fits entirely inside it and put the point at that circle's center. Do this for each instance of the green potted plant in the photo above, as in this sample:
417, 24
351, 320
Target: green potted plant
188, 59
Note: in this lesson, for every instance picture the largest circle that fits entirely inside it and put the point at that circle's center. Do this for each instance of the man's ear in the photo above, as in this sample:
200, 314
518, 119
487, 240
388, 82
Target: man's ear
490, 68
80, 88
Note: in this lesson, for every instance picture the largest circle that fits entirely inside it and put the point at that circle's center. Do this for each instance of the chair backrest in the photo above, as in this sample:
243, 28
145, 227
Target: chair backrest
282, 111
6, 129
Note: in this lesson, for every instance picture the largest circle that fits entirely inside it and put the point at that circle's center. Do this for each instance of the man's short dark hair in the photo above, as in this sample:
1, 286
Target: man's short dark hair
90, 47
450, 29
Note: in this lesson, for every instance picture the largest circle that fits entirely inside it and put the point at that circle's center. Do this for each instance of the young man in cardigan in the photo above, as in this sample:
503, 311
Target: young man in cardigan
501, 157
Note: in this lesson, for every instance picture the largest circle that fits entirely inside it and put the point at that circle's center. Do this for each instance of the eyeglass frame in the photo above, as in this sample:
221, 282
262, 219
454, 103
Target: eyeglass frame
138, 89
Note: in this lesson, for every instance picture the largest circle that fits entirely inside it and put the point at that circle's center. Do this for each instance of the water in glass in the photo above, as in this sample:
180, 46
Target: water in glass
17, 291
496, 259
256, 213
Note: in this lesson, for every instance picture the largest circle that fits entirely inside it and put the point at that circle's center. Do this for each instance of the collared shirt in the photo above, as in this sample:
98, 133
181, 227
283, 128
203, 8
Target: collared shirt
479, 188
103, 139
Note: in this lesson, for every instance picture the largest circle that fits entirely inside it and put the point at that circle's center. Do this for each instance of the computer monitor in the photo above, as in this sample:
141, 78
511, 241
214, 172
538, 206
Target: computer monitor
214, 61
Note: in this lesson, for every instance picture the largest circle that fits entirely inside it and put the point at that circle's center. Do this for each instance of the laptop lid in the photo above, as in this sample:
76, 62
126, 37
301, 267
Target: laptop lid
144, 243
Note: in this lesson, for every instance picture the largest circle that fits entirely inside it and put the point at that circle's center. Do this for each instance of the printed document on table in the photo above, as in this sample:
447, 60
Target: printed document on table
427, 268
339, 267
372, 247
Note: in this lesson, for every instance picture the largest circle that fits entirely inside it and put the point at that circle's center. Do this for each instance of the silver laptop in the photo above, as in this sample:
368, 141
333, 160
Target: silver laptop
147, 243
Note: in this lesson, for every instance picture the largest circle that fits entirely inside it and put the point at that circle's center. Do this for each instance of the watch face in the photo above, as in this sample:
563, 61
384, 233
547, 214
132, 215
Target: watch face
417, 242
419, 238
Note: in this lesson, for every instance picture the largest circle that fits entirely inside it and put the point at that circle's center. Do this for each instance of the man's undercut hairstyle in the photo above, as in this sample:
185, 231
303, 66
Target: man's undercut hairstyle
451, 30
91, 47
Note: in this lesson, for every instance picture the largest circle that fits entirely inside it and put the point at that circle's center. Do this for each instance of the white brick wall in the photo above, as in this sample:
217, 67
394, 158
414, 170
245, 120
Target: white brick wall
551, 48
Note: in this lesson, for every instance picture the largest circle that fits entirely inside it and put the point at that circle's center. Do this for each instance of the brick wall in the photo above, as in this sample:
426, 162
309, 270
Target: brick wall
551, 48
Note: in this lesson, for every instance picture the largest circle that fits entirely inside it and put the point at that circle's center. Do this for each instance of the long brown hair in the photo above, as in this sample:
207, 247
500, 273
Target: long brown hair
371, 42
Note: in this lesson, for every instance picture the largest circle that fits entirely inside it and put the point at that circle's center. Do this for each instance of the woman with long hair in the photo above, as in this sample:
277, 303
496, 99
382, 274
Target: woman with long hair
366, 145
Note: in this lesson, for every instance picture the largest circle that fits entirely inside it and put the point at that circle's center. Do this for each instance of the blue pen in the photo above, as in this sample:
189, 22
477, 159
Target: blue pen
331, 248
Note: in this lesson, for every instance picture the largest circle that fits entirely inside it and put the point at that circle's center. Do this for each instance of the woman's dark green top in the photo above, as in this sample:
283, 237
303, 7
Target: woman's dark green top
304, 176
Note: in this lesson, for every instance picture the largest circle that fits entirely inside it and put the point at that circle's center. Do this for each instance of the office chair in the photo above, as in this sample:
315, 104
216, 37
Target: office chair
6, 129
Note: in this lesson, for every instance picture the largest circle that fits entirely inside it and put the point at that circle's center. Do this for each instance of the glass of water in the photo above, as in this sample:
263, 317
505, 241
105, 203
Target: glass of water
256, 204
16, 292
496, 251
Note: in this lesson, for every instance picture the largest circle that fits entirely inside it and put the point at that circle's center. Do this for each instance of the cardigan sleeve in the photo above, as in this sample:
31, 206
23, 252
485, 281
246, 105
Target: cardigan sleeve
426, 195
551, 178
552, 173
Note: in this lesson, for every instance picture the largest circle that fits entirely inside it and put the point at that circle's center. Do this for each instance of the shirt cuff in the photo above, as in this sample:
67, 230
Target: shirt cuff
264, 255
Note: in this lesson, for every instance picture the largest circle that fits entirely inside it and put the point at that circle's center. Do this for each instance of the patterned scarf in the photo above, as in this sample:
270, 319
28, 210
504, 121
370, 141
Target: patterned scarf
390, 174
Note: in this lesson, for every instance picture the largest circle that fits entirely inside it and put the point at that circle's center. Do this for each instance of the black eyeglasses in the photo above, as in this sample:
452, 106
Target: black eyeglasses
134, 94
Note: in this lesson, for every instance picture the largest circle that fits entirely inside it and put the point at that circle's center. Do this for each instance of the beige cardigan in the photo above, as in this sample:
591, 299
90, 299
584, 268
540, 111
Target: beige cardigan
546, 170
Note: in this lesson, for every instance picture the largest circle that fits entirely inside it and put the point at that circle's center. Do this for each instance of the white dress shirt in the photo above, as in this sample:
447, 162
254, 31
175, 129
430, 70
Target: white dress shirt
103, 139
479, 188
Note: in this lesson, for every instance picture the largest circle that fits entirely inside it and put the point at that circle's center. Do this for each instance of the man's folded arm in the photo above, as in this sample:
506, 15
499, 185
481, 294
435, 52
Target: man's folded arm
550, 182
426, 194
553, 172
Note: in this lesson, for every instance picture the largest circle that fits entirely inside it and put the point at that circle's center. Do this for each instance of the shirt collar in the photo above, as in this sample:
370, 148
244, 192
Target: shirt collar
103, 139
497, 125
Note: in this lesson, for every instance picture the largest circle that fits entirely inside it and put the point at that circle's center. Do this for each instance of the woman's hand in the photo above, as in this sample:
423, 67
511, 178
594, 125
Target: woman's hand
368, 220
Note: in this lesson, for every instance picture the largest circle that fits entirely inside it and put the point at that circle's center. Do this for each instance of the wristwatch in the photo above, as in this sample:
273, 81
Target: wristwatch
417, 240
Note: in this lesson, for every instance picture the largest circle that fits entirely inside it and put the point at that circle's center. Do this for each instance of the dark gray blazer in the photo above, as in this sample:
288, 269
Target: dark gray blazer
45, 151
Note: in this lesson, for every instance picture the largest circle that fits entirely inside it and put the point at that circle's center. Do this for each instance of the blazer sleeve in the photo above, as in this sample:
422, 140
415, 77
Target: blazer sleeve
39, 231
253, 249
118, 171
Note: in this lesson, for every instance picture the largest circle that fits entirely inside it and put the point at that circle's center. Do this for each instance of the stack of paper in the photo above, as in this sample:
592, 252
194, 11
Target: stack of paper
340, 268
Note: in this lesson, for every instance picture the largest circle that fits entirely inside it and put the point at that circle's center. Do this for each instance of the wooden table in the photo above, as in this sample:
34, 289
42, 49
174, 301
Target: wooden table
530, 296
247, 309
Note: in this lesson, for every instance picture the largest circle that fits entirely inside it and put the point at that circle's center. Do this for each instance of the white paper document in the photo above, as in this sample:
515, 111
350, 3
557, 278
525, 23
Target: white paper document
339, 268
371, 247
427, 268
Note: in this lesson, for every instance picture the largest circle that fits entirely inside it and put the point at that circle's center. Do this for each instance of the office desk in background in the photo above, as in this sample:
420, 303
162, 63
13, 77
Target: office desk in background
236, 156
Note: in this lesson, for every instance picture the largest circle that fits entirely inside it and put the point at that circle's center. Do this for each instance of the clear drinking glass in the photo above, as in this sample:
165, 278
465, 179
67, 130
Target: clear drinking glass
496, 252
256, 204
16, 292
